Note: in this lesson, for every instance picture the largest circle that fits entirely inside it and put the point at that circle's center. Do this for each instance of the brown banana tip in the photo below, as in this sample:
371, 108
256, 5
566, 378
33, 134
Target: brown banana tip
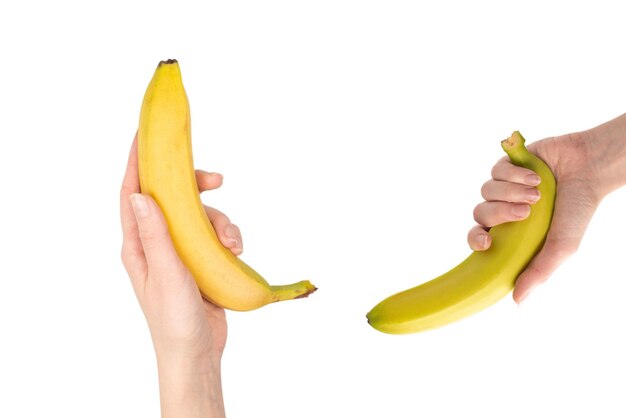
169, 61
304, 295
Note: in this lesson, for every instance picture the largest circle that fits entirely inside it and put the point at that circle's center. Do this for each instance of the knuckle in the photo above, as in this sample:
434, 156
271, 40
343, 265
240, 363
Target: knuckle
472, 237
126, 190
124, 255
129, 255
499, 169
477, 213
494, 171
484, 190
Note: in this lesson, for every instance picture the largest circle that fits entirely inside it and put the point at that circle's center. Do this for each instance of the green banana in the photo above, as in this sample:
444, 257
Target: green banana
484, 277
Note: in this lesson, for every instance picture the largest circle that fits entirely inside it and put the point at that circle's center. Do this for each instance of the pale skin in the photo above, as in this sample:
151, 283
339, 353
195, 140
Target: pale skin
587, 165
188, 332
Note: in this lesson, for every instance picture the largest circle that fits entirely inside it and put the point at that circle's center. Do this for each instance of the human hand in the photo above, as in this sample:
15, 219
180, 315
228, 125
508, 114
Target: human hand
188, 332
512, 190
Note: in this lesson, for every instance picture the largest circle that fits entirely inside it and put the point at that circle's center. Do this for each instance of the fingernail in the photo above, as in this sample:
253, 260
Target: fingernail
139, 204
231, 235
532, 179
532, 195
522, 300
521, 211
484, 241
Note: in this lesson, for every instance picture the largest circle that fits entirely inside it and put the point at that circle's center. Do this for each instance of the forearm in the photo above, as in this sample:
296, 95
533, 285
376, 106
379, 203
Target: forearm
608, 153
191, 390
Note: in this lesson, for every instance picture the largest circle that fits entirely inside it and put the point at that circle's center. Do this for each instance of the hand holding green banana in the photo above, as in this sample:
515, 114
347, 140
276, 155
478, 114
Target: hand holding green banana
485, 276
588, 165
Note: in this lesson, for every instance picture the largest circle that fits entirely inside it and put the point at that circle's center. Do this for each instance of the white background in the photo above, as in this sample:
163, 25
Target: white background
354, 137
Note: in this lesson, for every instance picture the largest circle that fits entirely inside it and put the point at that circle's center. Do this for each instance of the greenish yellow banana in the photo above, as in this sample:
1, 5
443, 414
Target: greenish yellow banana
485, 276
166, 172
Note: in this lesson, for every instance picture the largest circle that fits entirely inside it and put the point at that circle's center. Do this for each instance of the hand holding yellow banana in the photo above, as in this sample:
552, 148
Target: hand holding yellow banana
166, 172
485, 276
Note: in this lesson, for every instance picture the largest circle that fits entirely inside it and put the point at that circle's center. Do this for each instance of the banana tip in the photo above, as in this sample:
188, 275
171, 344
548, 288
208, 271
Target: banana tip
167, 62
304, 295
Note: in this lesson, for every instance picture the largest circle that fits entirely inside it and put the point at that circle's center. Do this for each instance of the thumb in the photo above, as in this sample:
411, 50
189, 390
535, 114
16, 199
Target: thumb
573, 210
551, 256
158, 248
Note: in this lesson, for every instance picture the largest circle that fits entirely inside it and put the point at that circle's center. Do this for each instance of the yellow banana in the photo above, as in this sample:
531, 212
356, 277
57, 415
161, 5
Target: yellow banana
166, 172
485, 276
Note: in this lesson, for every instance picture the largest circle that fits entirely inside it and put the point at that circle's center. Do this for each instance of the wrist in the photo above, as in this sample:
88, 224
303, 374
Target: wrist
186, 363
607, 144
188, 352
190, 386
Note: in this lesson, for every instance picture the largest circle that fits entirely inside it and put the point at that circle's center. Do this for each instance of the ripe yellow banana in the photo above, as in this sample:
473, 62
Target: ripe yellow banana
166, 172
485, 276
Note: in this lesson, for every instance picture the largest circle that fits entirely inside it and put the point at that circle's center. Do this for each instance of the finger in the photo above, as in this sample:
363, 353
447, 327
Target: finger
505, 170
208, 181
227, 232
478, 238
132, 251
504, 191
130, 185
495, 213
161, 256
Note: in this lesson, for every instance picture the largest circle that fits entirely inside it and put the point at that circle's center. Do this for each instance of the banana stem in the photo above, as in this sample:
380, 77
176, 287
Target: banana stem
515, 149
